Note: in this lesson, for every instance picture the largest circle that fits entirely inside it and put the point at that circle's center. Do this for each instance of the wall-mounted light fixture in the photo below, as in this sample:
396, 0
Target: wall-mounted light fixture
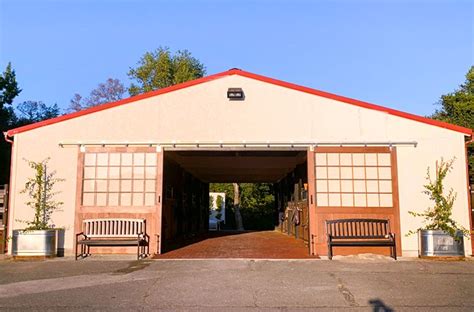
235, 94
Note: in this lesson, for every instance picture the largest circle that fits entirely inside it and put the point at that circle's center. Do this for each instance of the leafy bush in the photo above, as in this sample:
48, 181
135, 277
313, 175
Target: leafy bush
40, 190
439, 217
257, 205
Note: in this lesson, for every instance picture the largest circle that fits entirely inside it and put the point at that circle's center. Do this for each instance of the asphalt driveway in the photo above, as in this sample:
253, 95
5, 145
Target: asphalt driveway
236, 285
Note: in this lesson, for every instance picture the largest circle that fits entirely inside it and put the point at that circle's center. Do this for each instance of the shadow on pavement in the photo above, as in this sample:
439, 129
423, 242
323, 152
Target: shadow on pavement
379, 306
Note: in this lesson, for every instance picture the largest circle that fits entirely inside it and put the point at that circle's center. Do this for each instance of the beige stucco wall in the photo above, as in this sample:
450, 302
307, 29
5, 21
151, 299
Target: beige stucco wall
269, 113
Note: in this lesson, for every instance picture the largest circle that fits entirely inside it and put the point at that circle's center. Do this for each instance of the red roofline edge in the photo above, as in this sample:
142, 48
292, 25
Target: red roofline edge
239, 72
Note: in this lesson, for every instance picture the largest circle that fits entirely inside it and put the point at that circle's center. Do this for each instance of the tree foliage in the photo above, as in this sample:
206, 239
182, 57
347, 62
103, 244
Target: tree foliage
219, 205
160, 68
458, 108
8, 86
239, 224
8, 91
439, 217
256, 204
109, 91
34, 111
40, 190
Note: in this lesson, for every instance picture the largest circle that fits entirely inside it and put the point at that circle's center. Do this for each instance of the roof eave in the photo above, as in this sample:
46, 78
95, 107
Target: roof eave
235, 71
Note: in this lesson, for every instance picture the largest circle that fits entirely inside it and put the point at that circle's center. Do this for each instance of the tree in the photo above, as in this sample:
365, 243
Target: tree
219, 205
8, 91
110, 91
238, 217
458, 108
34, 111
439, 217
256, 204
8, 86
160, 68
40, 190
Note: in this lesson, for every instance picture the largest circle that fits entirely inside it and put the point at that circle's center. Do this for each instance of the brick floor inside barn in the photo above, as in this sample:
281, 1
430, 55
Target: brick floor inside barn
228, 244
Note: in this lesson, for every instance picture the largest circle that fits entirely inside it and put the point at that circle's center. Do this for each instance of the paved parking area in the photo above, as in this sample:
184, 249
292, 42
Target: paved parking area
237, 245
348, 284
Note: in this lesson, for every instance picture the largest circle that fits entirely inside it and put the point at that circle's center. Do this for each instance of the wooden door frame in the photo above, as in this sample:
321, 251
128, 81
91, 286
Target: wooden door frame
317, 236
151, 213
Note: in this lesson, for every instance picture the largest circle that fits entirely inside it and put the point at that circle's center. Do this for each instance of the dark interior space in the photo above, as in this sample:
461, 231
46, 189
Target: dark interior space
188, 173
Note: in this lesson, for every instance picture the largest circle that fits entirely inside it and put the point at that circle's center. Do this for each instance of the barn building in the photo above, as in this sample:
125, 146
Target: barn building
153, 156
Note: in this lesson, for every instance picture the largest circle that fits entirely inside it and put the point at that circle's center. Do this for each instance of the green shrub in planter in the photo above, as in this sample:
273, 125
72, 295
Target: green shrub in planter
38, 238
440, 234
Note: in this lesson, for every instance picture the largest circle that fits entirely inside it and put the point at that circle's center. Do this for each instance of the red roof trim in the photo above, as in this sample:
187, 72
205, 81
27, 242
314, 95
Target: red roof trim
117, 103
358, 103
239, 72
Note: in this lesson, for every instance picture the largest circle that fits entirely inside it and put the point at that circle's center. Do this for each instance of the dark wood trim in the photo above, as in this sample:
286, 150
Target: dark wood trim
318, 215
352, 149
120, 149
151, 213
77, 212
159, 200
395, 199
117, 209
311, 201
469, 204
8, 213
356, 210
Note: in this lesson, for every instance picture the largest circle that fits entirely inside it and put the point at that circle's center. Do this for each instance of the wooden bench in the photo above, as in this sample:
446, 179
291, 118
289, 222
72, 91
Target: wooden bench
111, 233
360, 233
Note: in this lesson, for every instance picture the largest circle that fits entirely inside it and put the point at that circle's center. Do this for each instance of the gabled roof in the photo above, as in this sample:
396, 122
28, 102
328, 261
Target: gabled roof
242, 73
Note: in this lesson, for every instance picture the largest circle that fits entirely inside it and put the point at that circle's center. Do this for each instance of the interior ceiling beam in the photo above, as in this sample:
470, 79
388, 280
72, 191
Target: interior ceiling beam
251, 171
237, 166
240, 170
237, 162
232, 166
240, 178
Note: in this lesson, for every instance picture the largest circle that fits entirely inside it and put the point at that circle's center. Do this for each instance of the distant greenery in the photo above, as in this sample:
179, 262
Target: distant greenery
458, 108
219, 202
160, 69
217, 208
9, 89
157, 69
257, 204
109, 91
8, 86
33, 111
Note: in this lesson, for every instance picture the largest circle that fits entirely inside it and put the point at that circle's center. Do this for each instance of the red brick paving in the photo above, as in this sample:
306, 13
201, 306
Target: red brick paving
254, 245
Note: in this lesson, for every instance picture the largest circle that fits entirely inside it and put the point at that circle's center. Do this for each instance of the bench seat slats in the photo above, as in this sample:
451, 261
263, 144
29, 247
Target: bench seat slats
112, 227
360, 232
365, 243
107, 242
113, 232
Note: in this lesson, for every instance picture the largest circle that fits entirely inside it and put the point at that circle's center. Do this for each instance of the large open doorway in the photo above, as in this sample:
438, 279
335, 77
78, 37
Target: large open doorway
187, 175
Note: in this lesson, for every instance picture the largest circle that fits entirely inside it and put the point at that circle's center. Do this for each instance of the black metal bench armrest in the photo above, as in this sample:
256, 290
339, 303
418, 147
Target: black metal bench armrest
144, 236
392, 236
79, 234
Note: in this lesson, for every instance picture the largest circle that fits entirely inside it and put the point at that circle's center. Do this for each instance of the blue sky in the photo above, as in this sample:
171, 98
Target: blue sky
401, 54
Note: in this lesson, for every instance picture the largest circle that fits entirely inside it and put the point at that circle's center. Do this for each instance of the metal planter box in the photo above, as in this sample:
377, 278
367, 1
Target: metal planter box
34, 243
437, 243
